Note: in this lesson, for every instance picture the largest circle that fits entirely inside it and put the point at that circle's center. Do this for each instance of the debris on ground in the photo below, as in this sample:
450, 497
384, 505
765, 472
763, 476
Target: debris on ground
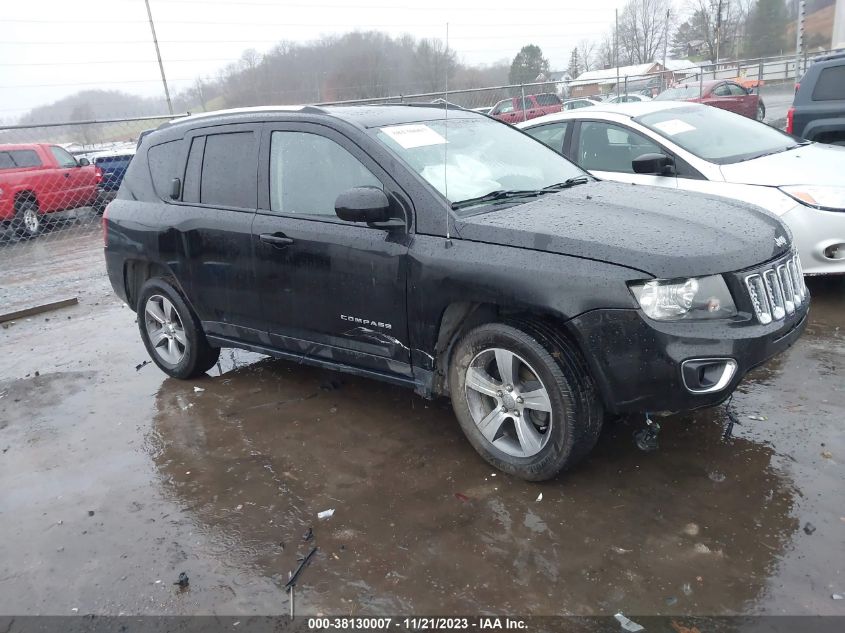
39, 309
687, 589
183, 580
827, 454
140, 366
293, 577
330, 385
758, 418
809, 528
90, 513
837, 596
539, 497
691, 529
461, 497
716, 476
620, 550
308, 535
627, 624
701, 548
646, 439
198, 389
325, 514
680, 628
671, 601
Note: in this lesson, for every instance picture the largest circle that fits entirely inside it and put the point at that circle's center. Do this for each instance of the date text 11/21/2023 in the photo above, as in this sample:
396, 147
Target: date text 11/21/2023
417, 623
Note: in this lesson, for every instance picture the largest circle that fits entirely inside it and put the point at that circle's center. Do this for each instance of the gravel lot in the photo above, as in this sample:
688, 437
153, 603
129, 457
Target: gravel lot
117, 479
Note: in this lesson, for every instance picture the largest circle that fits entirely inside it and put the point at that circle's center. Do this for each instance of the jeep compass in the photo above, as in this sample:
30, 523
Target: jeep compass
453, 254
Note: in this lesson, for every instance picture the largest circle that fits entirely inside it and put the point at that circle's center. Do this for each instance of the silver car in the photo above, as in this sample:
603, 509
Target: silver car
700, 148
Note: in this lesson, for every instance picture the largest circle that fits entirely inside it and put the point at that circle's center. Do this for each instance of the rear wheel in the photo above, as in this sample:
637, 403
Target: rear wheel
171, 332
761, 111
524, 399
27, 220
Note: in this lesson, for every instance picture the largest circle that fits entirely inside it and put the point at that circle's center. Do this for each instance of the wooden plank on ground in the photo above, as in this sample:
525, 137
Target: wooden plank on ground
32, 311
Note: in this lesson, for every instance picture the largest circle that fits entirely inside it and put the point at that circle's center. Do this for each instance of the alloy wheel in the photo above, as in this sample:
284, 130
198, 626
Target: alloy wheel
508, 402
165, 329
31, 221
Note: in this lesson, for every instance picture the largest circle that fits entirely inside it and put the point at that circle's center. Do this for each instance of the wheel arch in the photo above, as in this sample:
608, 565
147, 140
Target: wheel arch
25, 195
136, 272
461, 316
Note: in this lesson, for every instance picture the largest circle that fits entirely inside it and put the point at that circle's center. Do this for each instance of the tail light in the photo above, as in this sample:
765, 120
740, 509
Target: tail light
797, 86
98, 175
104, 221
790, 120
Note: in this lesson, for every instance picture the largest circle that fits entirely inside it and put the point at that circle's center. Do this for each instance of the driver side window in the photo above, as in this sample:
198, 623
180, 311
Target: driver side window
308, 172
609, 147
63, 157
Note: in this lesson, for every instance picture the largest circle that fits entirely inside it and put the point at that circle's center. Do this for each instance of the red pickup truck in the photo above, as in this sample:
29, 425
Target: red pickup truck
37, 178
516, 110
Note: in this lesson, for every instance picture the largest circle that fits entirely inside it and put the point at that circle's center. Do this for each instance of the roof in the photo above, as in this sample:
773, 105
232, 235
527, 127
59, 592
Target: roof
631, 110
594, 76
364, 116
680, 64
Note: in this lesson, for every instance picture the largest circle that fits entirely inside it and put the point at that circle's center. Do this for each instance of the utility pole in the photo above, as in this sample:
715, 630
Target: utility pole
718, 30
158, 55
663, 82
799, 39
616, 50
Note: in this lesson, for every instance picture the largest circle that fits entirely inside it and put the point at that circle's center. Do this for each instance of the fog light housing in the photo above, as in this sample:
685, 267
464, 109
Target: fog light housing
707, 375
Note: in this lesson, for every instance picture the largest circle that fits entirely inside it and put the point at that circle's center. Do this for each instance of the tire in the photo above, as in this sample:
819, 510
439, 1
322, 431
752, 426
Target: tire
171, 331
27, 222
542, 362
761, 111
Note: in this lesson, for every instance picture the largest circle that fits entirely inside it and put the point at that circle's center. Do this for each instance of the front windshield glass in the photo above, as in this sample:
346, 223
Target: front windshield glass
716, 135
480, 157
680, 93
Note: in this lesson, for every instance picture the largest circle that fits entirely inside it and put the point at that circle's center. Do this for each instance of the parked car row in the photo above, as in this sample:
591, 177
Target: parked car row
38, 179
697, 148
457, 256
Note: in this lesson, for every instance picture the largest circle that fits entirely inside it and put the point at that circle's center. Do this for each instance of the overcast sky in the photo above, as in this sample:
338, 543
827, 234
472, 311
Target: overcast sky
52, 48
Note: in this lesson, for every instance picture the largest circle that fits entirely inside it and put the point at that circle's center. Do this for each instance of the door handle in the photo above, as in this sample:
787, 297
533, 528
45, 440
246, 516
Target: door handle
277, 240
67, 175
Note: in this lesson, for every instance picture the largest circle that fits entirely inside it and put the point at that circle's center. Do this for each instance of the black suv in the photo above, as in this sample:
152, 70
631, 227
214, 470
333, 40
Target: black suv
453, 254
818, 109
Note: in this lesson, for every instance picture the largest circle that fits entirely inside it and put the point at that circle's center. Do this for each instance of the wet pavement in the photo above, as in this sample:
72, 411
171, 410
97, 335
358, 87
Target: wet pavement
115, 480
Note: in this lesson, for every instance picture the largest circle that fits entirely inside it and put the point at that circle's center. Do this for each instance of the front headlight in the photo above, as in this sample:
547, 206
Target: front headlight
678, 299
818, 197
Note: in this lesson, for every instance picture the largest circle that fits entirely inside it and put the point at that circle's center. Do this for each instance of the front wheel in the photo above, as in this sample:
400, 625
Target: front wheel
524, 399
171, 333
761, 111
27, 220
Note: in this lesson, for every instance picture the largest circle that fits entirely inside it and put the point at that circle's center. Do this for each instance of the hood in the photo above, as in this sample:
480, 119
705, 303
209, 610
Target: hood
811, 164
655, 230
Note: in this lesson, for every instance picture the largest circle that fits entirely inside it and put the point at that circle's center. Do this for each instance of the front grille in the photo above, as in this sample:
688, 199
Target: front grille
778, 290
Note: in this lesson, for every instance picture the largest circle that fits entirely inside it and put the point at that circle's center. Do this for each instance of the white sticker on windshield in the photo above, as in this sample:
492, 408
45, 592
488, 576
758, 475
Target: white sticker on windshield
674, 126
415, 135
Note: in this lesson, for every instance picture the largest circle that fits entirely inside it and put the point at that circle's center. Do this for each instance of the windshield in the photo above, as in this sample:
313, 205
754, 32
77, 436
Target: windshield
679, 93
716, 135
481, 157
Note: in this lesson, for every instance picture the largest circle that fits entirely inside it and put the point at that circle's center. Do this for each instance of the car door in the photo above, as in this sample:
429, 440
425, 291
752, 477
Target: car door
745, 103
607, 150
330, 289
551, 134
69, 183
212, 237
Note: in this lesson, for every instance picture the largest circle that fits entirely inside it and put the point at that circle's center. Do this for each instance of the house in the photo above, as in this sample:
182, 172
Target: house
631, 78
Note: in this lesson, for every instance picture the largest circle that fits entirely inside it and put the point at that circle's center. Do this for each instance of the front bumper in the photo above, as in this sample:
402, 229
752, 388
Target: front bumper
637, 362
819, 237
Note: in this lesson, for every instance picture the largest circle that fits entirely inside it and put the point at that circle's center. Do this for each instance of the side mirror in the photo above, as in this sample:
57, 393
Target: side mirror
84, 162
363, 204
656, 164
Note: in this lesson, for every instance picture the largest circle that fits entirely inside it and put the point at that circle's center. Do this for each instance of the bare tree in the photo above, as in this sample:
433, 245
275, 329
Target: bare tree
587, 53
643, 26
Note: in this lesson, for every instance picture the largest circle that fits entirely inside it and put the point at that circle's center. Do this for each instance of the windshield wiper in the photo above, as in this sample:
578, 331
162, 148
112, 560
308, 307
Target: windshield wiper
780, 150
499, 194
566, 184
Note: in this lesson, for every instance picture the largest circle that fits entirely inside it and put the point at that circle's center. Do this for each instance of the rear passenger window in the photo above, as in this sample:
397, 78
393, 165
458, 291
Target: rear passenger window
831, 84
221, 170
25, 158
737, 91
308, 172
163, 161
